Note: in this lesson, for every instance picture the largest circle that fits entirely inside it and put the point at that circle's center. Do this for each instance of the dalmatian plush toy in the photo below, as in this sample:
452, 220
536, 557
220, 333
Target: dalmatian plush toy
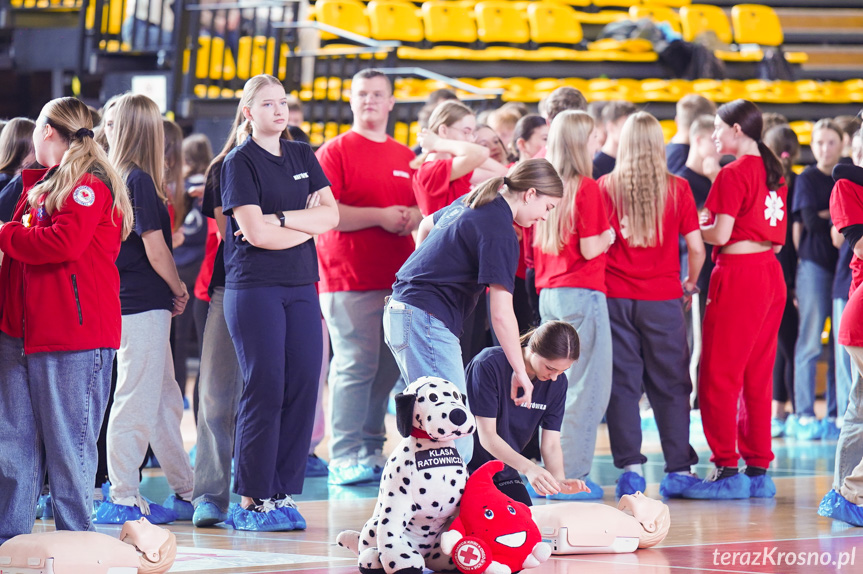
421, 485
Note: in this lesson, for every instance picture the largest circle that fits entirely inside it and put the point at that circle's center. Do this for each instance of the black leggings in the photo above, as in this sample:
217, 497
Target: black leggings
783, 368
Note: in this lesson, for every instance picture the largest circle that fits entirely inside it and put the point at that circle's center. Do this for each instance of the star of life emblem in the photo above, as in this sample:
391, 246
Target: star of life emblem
773, 205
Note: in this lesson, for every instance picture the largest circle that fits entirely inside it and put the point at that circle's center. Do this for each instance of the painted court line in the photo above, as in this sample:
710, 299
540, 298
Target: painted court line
203, 559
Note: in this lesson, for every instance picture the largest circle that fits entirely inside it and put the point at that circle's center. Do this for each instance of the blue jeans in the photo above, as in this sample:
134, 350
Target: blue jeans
846, 373
814, 286
589, 377
219, 388
50, 403
423, 346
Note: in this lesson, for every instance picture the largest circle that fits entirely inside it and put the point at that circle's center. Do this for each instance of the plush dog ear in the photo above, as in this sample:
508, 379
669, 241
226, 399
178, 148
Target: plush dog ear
405, 413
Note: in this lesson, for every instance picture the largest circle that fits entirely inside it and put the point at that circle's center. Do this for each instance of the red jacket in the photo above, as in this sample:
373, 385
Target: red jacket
59, 286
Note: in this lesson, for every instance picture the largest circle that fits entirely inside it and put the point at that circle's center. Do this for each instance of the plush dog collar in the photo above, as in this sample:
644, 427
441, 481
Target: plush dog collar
417, 433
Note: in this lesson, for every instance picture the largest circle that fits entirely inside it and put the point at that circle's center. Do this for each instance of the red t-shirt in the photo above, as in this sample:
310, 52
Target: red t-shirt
364, 173
846, 208
651, 273
433, 188
740, 190
569, 268
211, 247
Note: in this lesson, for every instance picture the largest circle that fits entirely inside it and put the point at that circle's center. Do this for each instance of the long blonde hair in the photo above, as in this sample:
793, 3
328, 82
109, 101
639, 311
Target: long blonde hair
531, 173
139, 140
67, 116
250, 92
446, 113
567, 151
638, 186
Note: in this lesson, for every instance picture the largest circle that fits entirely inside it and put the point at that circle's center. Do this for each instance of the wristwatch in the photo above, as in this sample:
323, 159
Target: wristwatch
281, 216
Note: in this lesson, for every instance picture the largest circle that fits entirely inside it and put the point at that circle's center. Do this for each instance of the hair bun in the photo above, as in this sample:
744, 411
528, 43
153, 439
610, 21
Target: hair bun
83, 133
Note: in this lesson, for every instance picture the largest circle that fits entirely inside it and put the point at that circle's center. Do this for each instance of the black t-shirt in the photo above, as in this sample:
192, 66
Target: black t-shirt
211, 200
603, 164
842, 279
699, 184
253, 176
488, 378
141, 288
467, 250
10, 193
676, 155
787, 256
813, 193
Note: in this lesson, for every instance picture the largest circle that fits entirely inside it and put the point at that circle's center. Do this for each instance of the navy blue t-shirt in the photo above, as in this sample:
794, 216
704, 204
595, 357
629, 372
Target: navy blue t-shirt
211, 200
467, 250
488, 378
141, 288
699, 184
812, 191
676, 155
10, 193
842, 279
603, 164
253, 176
194, 228
787, 256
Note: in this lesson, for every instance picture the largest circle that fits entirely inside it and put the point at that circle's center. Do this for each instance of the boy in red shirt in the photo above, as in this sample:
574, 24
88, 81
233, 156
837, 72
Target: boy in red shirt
370, 175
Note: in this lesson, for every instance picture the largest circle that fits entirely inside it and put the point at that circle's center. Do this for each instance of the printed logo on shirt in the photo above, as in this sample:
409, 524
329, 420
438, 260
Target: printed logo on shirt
435, 457
400, 173
773, 205
535, 406
84, 195
300, 176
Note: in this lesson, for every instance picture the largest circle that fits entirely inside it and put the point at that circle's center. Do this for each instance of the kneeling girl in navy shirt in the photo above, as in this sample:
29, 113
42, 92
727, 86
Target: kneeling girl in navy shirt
470, 245
504, 429
271, 305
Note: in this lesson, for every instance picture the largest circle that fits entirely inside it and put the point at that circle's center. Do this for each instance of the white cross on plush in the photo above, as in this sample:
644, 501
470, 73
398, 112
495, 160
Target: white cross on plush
773, 208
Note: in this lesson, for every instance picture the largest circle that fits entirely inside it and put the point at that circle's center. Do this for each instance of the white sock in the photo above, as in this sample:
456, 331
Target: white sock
636, 468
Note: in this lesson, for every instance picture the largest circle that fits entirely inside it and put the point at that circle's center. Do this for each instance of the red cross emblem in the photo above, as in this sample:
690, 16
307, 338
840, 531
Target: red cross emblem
470, 556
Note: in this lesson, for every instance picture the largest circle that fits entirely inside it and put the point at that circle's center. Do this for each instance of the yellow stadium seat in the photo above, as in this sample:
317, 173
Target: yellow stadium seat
448, 22
615, 3
255, 56
112, 17
756, 24
500, 21
803, 129
552, 23
602, 17
395, 20
669, 3
212, 61
719, 91
349, 15
698, 18
657, 14
669, 128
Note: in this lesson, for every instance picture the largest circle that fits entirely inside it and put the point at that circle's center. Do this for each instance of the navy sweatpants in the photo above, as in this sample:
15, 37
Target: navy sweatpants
650, 355
277, 335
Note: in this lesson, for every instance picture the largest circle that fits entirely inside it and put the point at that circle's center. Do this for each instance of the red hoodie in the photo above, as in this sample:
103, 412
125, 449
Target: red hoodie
59, 286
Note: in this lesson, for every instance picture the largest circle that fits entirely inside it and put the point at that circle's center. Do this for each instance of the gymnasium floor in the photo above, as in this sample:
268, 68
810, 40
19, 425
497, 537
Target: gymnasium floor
784, 535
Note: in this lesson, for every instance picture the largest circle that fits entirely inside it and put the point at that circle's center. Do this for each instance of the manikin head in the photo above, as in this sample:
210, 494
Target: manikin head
156, 546
652, 514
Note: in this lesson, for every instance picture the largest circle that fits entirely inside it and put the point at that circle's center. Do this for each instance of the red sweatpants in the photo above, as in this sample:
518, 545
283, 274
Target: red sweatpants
744, 308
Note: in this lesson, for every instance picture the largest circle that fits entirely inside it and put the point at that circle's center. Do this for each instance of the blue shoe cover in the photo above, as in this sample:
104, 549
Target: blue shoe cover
182, 508
777, 428
316, 467
837, 507
530, 490
44, 508
630, 483
208, 514
277, 520
673, 485
110, 513
344, 475
809, 428
731, 488
595, 493
761, 487
829, 430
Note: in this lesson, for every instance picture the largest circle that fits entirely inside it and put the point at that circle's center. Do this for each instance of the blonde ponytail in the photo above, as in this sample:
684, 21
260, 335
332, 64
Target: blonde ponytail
71, 119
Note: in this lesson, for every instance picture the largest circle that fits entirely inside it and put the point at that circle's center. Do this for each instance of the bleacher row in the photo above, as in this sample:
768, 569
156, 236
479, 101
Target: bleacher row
545, 30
